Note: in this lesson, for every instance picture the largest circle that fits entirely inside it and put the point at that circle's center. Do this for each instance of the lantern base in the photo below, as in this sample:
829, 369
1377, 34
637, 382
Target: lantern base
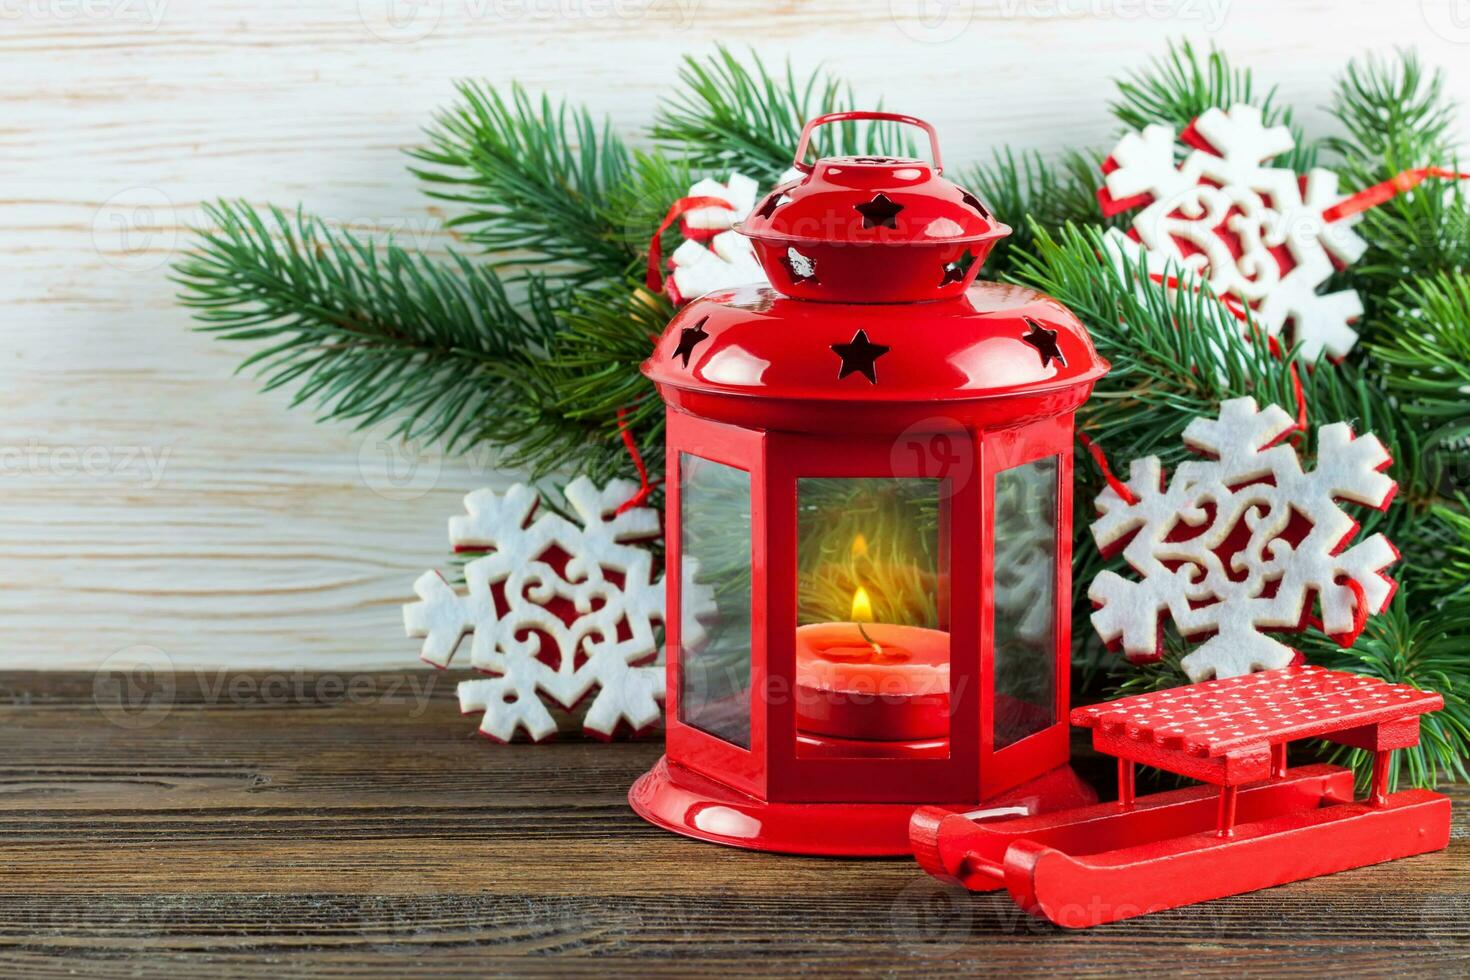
674, 798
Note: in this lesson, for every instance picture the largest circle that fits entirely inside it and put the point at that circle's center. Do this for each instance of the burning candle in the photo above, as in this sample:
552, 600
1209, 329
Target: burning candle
869, 680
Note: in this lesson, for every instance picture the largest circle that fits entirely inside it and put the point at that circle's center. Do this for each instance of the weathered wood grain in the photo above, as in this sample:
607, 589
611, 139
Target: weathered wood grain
255, 538
258, 836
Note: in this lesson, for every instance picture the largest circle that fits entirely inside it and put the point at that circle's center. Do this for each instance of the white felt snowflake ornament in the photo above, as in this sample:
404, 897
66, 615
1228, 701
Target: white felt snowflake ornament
740, 192
713, 255
1258, 233
728, 260
557, 609
1243, 541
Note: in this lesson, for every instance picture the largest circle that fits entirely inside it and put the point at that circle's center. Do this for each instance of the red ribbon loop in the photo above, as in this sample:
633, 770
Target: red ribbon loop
1360, 616
1119, 487
654, 278
645, 486
1296, 384
1371, 197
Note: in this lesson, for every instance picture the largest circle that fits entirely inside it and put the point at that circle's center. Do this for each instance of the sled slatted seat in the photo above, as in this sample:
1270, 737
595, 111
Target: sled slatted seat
1235, 731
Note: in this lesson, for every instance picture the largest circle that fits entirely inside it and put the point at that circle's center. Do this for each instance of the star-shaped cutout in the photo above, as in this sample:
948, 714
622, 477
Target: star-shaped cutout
957, 270
860, 354
771, 203
880, 212
1045, 342
974, 202
801, 267
690, 338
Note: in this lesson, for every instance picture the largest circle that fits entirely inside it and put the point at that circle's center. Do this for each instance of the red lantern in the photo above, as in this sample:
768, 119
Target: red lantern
870, 467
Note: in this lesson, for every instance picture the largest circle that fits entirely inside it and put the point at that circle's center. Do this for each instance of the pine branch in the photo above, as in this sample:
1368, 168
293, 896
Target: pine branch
535, 177
1439, 565
728, 114
368, 334
638, 205
1177, 88
1156, 675
1425, 353
1424, 652
1395, 113
1024, 191
592, 374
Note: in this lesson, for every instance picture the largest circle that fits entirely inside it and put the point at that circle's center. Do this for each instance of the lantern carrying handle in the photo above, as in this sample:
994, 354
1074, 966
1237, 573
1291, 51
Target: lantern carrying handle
806, 133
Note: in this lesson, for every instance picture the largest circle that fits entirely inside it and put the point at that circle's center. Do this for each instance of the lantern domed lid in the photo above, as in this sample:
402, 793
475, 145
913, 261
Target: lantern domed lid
873, 200
863, 229
751, 344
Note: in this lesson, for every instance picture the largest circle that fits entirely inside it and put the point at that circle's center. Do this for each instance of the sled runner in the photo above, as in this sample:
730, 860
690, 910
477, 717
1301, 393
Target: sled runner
1264, 825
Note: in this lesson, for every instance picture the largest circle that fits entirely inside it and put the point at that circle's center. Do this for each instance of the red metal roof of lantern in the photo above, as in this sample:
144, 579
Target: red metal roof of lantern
870, 468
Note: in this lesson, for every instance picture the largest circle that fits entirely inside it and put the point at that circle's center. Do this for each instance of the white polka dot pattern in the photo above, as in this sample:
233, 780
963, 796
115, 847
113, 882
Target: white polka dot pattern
1237, 714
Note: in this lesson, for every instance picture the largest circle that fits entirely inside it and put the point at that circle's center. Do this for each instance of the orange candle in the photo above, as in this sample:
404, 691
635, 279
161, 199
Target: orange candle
872, 681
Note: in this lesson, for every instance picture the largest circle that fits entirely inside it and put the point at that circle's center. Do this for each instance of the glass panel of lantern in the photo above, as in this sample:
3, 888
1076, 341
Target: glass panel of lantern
872, 636
714, 652
1025, 600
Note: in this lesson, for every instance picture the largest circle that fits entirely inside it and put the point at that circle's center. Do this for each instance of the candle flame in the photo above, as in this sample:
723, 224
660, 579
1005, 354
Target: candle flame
862, 606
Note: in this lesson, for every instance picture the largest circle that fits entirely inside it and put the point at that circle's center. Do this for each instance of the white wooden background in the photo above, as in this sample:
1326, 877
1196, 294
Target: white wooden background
148, 497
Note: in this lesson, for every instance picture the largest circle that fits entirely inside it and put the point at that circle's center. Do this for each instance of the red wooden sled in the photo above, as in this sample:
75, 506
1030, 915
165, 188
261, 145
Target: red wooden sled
1265, 824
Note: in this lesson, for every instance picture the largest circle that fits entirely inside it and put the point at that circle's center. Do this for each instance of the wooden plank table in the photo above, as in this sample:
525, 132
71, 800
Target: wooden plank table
288, 824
